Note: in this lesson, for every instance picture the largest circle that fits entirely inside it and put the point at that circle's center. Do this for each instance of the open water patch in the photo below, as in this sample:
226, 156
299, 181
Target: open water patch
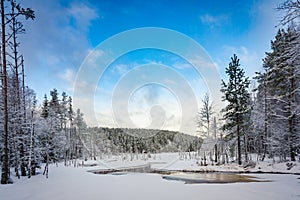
186, 177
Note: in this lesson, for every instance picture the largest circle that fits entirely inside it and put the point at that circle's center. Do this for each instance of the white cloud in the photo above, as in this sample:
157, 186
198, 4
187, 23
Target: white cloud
95, 58
249, 60
121, 69
202, 62
181, 66
83, 14
68, 76
213, 21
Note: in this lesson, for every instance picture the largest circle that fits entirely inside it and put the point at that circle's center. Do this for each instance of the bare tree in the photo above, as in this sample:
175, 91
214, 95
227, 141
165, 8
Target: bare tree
205, 116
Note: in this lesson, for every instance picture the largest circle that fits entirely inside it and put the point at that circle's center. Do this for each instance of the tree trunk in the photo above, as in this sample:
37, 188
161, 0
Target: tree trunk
239, 145
5, 158
292, 137
292, 118
265, 138
246, 147
216, 153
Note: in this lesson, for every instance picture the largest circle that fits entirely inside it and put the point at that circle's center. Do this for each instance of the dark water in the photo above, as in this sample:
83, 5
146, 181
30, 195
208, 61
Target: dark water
187, 177
191, 178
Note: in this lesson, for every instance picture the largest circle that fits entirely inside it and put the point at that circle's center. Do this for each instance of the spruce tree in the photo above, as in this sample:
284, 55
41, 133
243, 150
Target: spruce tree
237, 96
45, 108
282, 86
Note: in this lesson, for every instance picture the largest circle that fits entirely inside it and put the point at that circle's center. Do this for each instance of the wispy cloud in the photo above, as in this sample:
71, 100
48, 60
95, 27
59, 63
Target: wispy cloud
68, 75
82, 14
249, 60
181, 66
121, 69
213, 21
61, 44
69, 78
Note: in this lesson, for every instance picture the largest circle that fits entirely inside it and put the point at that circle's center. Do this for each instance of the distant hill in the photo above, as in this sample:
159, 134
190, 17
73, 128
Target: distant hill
125, 140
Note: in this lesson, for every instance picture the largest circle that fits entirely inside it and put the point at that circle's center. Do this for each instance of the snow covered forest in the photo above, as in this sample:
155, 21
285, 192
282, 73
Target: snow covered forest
262, 113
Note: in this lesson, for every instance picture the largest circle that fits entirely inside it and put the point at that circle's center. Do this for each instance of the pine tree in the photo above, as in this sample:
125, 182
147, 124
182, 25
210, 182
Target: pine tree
278, 96
70, 138
57, 138
45, 108
237, 96
45, 139
63, 121
281, 85
80, 127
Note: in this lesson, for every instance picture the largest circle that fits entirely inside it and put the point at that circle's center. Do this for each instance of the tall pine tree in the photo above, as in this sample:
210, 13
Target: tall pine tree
237, 95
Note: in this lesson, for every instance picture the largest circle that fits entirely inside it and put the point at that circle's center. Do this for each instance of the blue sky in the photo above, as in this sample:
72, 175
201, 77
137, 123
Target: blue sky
64, 33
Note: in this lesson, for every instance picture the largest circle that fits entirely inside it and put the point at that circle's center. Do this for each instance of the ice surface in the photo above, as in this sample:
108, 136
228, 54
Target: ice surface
76, 183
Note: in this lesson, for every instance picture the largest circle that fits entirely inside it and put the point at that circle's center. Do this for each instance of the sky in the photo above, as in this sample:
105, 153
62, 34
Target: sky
144, 64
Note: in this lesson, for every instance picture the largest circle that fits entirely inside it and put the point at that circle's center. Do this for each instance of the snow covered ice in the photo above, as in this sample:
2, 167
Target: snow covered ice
77, 183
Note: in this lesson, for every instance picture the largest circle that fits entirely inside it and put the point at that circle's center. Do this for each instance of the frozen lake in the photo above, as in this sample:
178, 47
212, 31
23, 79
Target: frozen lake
77, 184
186, 177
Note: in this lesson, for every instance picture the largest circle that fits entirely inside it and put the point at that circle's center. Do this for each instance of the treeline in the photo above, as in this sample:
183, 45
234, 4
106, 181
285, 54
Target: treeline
58, 131
50, 133
112, 141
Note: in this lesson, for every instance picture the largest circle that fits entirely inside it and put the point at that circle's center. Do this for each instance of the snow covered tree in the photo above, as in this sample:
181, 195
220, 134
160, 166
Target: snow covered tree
63, 121
207, 125
280, 86
57, 137
9, 39
80, 127
237, 95
70, 137
205, 117
261, 117
33, 151
44, 137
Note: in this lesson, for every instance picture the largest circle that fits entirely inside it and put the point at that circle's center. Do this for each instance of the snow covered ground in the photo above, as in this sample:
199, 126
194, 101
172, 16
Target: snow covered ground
173, 162
77, 183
